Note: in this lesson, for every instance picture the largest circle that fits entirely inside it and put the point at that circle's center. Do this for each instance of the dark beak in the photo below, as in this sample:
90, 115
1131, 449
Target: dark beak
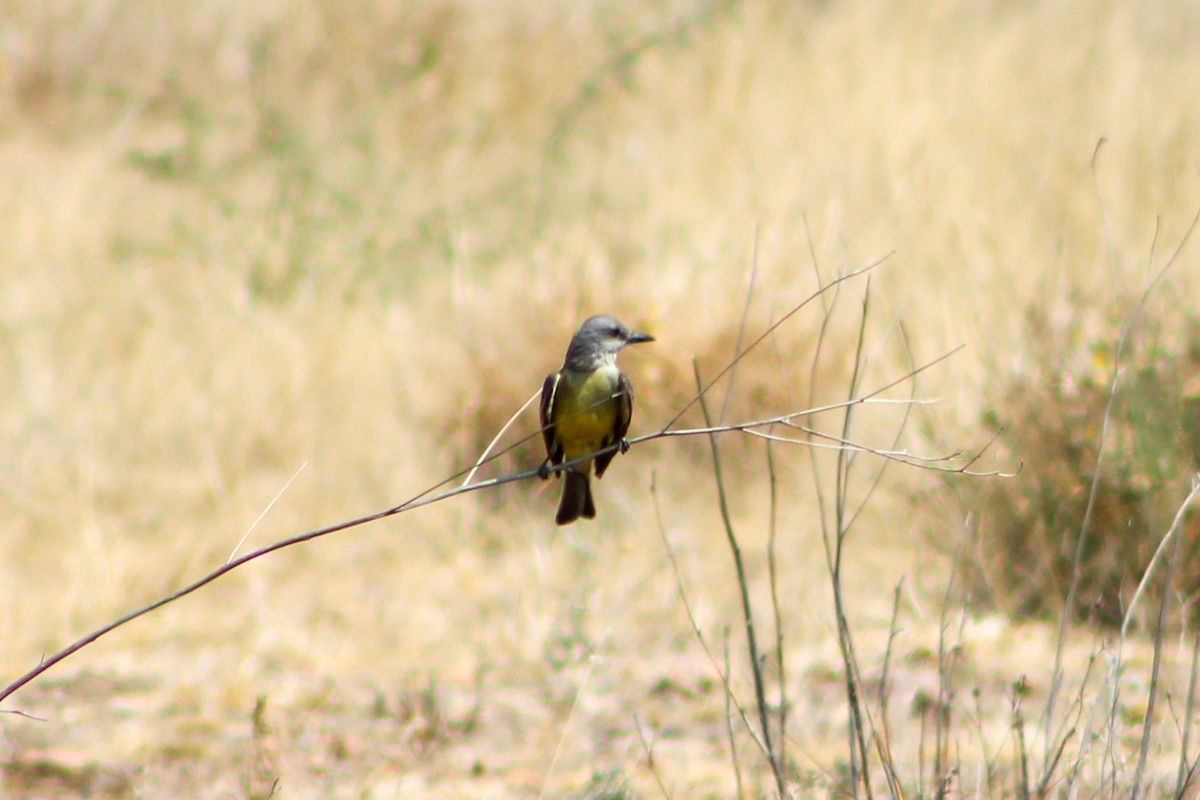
638, 338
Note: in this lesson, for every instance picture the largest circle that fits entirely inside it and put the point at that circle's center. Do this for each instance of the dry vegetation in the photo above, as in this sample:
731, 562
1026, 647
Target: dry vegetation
346, 240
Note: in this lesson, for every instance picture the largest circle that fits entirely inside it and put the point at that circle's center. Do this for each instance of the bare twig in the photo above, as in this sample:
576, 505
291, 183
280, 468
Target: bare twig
431, 495
1086, 736
687, 607
741, 334
579, 693
1048, 773
729, 733
900, 428
902, 456
857, 753
841, 530
1158, 551
648, 749
483, 458
776, 612
1018, 724
1085, 527
1159, 635
266, 510
1183, 775
18, 713
744, 586
832, 285
862, 725
947, 658
425, 498
884, 686
987, 760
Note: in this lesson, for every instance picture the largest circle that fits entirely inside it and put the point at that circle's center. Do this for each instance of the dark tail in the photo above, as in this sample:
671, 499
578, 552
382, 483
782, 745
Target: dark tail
576, 499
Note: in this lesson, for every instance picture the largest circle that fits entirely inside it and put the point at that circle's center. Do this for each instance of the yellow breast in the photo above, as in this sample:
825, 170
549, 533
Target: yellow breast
585, 411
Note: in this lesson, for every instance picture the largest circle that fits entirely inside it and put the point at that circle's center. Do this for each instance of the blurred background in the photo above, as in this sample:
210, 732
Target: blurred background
269, 266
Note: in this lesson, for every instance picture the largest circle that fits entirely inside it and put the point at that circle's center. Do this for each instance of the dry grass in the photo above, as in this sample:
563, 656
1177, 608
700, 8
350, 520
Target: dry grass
242, 240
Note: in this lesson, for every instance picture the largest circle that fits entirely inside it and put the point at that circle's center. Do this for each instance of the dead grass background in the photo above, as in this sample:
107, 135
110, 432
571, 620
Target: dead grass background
241, 240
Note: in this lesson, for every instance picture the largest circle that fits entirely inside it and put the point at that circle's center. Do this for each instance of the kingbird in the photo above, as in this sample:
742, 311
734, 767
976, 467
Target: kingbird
586, 406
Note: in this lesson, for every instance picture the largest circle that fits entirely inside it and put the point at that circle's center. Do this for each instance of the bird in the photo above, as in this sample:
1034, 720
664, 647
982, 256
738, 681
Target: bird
585, 407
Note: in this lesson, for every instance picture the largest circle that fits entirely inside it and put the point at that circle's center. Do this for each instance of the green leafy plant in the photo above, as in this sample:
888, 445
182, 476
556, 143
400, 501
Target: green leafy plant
1048, 413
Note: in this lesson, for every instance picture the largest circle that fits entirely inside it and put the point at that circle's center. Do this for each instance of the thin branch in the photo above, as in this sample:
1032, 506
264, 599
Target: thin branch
741, 335
1018, 725
1085, 526
423, 499
729, 732
771, 329
893, 630
903, 456
18, 713
1048, 773
426, 497
431, 495
1158, 551
860, 757
776, 612
558, 746
744, 585
947, 658
822, 501
648, 749
687, 607
1159, 635
483, 458
881, 732
266, 510
665, 430
1087, 736
908, 407
1188, 718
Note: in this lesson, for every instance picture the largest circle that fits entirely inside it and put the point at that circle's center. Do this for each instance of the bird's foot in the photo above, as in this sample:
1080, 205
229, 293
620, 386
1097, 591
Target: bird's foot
624, 446
543, 471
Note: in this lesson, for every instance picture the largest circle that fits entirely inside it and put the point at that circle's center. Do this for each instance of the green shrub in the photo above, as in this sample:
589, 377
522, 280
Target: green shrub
1048, 413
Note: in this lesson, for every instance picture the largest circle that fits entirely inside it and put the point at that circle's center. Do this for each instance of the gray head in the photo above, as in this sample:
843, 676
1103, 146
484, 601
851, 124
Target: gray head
598, 341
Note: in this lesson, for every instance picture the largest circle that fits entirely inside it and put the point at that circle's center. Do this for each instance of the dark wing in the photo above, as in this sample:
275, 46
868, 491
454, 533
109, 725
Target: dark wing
546, 416
624, 415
